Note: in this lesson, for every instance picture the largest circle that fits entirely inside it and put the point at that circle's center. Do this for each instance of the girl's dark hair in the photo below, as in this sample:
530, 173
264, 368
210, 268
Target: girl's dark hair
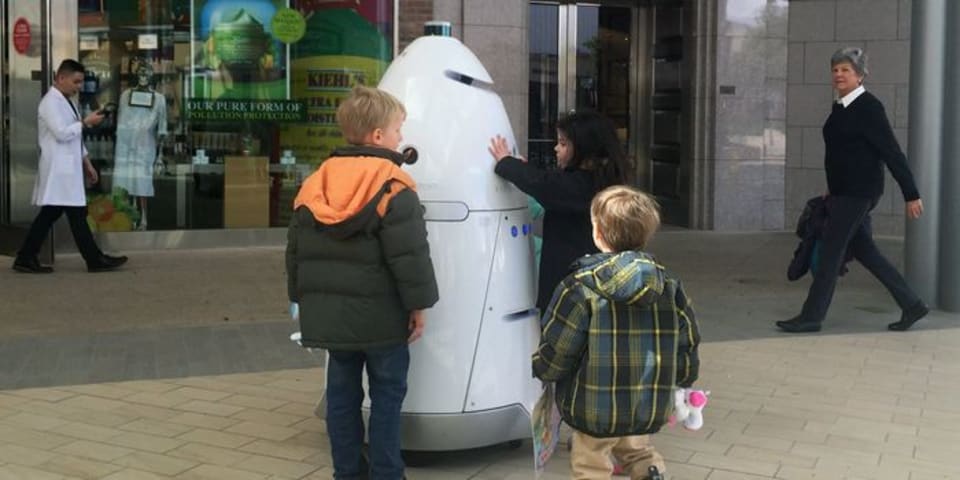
596, 148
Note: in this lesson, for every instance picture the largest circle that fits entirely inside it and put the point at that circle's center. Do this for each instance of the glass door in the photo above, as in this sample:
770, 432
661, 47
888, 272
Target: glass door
604, 66
26, 52
584, 56
29, 50
624, 59
544, 93
669, 173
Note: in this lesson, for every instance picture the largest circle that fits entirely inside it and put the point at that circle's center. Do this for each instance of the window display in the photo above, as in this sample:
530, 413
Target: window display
141, 126
222, 106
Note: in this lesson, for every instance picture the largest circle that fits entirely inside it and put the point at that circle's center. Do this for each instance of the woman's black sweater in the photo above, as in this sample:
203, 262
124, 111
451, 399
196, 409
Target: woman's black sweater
859, 141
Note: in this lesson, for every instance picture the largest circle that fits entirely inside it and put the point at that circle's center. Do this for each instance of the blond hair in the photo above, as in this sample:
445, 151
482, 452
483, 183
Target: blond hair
365, 110
625, 217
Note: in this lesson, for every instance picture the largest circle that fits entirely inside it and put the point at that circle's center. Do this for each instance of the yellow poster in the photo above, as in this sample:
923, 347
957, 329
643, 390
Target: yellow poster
342, 47
321, 83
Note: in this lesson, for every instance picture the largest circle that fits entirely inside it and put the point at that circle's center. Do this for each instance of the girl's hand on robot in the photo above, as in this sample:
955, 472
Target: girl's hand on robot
499, 148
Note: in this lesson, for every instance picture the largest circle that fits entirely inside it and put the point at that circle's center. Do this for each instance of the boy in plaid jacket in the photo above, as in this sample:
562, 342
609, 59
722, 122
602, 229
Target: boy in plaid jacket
618, 336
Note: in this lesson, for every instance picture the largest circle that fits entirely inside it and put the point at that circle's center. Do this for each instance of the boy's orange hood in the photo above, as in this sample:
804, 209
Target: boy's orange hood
343, 185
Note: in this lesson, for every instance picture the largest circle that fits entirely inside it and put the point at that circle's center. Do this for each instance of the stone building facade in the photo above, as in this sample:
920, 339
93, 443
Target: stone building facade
758, 93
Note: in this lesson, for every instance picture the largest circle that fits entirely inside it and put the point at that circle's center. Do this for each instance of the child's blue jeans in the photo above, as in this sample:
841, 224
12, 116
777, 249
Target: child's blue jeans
387, 373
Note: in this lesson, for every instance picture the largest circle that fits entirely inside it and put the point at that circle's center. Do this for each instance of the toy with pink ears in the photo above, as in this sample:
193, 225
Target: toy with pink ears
688, 406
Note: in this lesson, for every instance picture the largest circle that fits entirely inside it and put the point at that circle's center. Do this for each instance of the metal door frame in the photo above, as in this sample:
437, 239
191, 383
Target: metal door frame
4, 124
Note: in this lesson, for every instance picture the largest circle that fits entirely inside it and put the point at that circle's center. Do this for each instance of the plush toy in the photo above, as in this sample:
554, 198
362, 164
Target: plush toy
688, 407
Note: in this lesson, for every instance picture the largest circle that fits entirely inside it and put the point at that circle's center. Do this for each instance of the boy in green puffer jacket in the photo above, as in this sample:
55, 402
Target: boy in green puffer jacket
358, 266
618, 335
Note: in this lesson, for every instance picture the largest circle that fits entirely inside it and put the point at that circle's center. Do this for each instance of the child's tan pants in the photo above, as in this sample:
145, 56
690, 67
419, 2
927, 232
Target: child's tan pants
590, 457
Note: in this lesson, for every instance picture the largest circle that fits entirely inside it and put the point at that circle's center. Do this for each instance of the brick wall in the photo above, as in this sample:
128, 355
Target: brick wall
413, 14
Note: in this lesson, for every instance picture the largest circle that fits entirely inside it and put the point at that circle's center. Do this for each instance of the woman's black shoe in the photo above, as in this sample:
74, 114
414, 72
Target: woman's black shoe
797, 325
115, 260
106, 263
31, 265
909, 317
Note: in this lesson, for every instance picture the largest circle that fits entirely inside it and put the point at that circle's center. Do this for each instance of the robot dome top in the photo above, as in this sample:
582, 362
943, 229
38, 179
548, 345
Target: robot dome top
452, 113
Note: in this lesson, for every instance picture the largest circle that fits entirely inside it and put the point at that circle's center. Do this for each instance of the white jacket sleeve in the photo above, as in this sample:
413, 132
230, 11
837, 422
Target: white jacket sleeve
64, 127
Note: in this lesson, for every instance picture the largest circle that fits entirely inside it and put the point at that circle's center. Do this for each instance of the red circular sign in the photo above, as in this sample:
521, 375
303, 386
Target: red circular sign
21, 35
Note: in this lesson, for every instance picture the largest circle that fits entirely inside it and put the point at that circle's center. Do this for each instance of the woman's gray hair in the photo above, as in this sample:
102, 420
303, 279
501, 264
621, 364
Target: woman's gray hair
852, 55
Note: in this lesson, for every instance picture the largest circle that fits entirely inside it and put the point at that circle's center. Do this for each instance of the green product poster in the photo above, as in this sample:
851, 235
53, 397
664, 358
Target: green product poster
339, 51
237, 54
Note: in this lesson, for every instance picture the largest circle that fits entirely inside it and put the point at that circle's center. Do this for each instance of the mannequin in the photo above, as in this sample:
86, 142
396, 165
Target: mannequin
141, 128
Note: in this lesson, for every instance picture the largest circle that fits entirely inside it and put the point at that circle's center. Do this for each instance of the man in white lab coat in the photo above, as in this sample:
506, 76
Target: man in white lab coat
59, 187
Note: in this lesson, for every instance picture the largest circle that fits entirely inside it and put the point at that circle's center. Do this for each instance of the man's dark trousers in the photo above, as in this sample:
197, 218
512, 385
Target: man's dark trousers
77, 217
848, 226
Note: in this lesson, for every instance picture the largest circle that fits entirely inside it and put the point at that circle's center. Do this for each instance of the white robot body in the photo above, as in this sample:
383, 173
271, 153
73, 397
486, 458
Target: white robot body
470, 382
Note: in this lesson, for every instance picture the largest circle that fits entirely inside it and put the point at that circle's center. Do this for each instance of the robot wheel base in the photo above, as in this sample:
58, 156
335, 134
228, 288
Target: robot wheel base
411, 458
417, 458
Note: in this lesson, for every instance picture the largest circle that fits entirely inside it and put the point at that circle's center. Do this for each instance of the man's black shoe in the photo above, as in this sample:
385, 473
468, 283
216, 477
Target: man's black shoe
31, 265
909, 317
796, 325
106, 263
115, 260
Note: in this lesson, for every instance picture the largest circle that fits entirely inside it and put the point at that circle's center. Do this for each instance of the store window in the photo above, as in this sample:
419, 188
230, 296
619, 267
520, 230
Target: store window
218, 108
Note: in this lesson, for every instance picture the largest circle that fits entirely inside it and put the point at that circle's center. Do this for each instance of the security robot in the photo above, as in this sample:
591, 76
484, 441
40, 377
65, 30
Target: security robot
470, 382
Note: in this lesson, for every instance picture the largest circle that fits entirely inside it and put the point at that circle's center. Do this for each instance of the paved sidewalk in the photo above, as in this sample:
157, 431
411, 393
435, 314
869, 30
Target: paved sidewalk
853, 401
165, 314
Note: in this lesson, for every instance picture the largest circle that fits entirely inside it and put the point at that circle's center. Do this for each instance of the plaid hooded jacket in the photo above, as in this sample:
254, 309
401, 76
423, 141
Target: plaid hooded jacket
618, 336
